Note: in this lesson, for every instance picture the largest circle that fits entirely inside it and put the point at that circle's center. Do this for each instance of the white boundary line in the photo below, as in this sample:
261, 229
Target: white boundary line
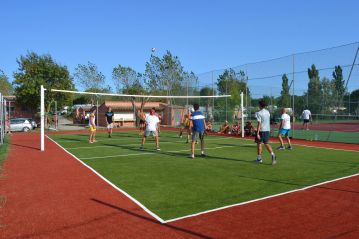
259, 199
212, 210
113, 185
173, 151
139, 143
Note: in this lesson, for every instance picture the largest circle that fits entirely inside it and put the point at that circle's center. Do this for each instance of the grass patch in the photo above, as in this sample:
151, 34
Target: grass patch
172, 185
4, 150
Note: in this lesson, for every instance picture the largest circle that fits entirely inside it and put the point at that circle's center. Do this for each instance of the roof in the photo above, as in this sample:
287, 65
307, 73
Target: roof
127, 105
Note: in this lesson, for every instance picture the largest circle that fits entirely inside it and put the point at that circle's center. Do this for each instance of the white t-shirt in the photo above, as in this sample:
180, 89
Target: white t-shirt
263, 117
306, 114
286, 121
152, 121
92, 120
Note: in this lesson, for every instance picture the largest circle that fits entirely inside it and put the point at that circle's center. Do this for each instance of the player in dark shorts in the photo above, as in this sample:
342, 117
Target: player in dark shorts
109, 120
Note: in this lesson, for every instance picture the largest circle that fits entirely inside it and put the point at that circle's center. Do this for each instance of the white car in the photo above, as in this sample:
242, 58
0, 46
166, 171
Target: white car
20, 124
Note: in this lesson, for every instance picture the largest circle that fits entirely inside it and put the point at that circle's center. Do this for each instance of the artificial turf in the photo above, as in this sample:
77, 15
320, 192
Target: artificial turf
171, 185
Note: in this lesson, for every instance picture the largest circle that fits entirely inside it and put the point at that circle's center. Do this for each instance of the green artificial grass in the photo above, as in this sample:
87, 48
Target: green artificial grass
171, 185
330, 136
4, 148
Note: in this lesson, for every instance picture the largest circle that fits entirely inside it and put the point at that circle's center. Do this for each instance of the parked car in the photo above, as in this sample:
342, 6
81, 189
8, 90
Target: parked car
33, 123
20, 124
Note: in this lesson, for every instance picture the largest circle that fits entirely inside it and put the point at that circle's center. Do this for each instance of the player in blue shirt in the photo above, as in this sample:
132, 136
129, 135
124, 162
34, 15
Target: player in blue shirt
198, 128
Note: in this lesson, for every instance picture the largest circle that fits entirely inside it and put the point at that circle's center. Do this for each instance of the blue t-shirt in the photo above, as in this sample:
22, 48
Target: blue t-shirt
197, 118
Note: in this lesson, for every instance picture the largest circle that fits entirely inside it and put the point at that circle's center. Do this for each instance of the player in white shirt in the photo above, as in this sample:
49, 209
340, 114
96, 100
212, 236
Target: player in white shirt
284, 129
263, 132
307, 117
152, 121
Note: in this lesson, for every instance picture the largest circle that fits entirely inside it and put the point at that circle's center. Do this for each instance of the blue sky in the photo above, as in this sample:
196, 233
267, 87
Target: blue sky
205, 35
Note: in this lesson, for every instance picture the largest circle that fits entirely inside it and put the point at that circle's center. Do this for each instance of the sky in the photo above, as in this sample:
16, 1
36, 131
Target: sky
205, 35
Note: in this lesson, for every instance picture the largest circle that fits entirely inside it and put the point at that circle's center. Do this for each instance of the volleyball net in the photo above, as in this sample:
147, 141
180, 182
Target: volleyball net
129, 109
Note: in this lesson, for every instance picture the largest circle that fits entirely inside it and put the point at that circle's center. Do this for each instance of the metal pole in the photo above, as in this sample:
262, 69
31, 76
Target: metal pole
1, 120
97, 112
56, 119
42, 115
293, 98
226, 99
242, 116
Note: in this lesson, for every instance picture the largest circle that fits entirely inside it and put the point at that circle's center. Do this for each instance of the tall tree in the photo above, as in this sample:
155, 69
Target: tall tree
229, 83
166, 75
327, 101
314, 93
88, 76
285, 97
207, 91
338, 85
35, 70
128, 81
5, 86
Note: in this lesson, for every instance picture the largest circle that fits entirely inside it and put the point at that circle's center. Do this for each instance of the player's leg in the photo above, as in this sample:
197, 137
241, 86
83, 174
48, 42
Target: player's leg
259, 152
265, 138
157, 138
144, 139
202, 144
288, 140
281, 147
193, 144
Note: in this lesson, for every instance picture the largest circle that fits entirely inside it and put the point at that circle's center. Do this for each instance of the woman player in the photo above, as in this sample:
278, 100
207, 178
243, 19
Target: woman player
187, 126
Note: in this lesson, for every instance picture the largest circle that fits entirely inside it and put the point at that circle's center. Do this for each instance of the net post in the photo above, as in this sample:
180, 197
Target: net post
42, 115
242, 114
1, 120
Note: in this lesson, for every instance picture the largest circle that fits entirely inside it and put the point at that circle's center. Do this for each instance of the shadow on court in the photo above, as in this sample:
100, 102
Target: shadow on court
148, 219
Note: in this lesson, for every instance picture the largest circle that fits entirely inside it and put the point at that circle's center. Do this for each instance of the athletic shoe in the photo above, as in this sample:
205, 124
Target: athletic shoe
274, 159
158, 149
203, 155
280, 148
258, 160
290, 148
191, 156
141, 147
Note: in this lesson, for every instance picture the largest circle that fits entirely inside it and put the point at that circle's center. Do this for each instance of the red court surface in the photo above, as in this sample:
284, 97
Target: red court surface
51, 195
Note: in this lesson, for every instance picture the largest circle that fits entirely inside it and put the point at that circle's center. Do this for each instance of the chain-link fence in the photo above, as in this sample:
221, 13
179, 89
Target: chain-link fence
324, 81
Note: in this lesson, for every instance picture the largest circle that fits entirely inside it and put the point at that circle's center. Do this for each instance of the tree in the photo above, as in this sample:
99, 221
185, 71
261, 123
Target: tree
327, 101
338, 85
5, 86
314, 93
128, 81
229, 84
166, 75
88, 76
285, 97
207, 91
36, 70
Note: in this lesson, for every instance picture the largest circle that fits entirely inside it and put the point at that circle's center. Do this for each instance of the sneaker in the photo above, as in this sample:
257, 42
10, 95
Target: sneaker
274, 159
191, 156
158, 149
203, 155
141, 147
280, 148
290, 148
258, 160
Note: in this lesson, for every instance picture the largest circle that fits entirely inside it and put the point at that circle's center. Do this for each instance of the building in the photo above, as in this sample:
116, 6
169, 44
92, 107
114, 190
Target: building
171, 115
